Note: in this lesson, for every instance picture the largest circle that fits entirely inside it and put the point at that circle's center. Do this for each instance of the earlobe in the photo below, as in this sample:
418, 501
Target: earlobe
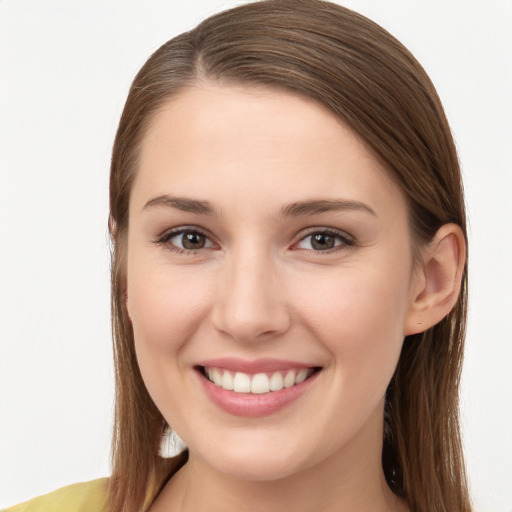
112, 228
125, 305
438, 281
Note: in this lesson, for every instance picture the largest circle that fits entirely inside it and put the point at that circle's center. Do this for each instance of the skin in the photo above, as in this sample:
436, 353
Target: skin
258, 288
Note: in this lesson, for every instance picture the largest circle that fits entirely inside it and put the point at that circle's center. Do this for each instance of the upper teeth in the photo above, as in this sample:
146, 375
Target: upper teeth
259, 383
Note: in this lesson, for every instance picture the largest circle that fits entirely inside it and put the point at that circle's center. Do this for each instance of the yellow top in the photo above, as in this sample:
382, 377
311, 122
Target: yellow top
84, 497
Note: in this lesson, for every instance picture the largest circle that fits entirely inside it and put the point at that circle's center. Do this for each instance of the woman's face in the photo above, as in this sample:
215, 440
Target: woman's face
266, 245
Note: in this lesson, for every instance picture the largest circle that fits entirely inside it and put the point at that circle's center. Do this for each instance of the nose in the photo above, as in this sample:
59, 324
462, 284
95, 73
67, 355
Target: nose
251, 302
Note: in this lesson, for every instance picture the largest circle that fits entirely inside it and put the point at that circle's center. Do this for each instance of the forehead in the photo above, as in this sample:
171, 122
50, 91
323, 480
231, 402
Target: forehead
255, 142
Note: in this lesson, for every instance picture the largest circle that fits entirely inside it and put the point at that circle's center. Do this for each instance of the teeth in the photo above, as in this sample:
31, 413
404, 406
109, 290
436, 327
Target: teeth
289, 380
301, 376
259, 383
276, 382
217, 377
241, 383
227, 381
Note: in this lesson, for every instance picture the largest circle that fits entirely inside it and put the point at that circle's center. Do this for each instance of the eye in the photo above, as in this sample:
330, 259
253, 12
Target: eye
185, 240
324, 241
191, 240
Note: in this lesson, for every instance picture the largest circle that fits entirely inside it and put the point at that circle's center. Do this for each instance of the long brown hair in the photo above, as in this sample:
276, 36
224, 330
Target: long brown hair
369, 80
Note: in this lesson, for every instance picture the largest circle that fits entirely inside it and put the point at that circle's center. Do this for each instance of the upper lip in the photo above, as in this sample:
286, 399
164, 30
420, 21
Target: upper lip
255, 366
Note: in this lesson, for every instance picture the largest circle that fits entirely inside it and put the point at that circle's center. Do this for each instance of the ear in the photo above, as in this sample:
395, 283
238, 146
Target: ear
125, 305
112, 228
437, 282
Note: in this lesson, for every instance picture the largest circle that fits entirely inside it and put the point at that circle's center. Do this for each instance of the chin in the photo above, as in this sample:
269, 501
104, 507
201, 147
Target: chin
258, 470
256, 462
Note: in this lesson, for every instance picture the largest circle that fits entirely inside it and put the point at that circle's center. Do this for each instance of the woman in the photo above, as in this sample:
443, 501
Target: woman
289, 277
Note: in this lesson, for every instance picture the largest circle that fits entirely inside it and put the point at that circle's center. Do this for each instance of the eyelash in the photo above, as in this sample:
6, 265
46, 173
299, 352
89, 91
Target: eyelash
345, 240
166, 237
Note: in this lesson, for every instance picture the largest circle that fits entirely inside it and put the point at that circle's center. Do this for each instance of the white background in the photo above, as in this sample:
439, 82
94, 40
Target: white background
65, 68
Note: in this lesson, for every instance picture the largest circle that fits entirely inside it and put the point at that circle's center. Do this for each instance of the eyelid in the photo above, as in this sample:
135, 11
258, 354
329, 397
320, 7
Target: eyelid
347, 240
165, 237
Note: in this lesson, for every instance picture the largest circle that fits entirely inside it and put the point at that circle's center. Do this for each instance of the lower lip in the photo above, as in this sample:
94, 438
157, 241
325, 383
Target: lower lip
254, 405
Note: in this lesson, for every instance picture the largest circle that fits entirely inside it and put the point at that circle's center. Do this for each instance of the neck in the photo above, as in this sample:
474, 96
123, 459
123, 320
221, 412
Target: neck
347, 481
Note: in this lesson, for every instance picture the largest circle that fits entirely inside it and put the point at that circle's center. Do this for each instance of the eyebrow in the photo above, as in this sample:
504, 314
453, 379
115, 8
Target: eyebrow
296, 209
314, 207
183, 204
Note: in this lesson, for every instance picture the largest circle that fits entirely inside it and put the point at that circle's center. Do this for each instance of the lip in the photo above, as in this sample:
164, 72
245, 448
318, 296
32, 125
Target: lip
251, 405
265, 365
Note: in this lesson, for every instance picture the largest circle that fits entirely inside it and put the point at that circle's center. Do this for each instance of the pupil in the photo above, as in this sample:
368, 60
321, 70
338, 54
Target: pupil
322, 242
193, 241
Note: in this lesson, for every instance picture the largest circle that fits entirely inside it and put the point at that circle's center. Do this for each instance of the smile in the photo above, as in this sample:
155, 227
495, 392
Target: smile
255, 389
259, 383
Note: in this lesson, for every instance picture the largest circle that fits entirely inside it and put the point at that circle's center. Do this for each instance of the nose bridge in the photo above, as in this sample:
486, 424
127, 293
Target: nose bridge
250, 300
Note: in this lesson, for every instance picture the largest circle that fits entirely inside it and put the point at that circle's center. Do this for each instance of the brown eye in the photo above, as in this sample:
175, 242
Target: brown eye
186, 240
321, 242
324, 241
192, 240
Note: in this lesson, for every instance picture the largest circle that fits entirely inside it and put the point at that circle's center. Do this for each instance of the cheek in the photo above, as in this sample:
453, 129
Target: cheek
165, 306
359, 317
356, 302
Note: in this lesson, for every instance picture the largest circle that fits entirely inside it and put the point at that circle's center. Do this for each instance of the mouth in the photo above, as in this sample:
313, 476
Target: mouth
260, 383
255, 388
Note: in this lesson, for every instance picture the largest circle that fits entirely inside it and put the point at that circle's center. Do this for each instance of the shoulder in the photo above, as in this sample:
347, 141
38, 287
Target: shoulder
83, 497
